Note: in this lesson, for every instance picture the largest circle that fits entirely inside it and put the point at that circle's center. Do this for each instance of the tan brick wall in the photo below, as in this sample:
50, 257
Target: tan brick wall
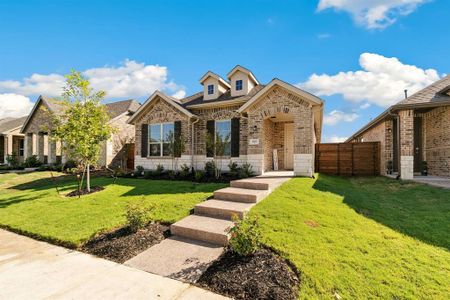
40, 121
160, 111
436, 146
123, 133
406, 132
268, 144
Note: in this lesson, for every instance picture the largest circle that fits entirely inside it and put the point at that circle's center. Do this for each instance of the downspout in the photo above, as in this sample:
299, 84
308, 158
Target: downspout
192, 143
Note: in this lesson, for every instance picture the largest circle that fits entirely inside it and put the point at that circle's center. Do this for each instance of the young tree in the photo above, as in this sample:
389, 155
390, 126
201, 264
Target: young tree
83, 125
218, 143
176, 146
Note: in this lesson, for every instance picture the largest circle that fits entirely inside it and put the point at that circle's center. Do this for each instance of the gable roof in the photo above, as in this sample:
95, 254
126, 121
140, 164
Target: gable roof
434, 95
243, 70
157, 94
314, 100
9, 124
198, 100
56, 106
215, 76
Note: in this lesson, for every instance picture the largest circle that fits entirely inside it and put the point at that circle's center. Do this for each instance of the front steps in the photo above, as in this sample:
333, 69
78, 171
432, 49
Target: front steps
211, 220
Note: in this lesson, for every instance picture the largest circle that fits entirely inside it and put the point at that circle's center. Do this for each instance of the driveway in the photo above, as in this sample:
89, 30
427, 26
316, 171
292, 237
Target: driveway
30, 269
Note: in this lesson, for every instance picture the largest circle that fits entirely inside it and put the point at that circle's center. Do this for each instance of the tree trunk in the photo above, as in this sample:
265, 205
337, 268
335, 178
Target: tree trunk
88, 179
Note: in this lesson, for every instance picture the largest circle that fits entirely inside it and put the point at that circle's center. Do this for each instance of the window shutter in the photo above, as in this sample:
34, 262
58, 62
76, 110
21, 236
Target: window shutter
210, 131
235, 137
144, 140
177, 137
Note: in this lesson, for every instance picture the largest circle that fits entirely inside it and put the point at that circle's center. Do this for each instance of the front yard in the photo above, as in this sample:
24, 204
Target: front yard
362, 238
30, 203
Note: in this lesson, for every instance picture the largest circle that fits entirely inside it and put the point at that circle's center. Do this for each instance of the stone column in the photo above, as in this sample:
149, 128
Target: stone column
5, 148
40, 146
9, 147
51, 151
388, 146
33, 141
303, 141
406, 119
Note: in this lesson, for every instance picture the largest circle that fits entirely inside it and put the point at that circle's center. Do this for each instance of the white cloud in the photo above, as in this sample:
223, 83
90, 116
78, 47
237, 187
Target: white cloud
130, 79
364, 106
335, 139
180, 94
373, 14
337, 116
13, 105
381, 81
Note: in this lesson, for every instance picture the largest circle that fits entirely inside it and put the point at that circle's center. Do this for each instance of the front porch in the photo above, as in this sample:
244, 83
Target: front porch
11, 145
40, 144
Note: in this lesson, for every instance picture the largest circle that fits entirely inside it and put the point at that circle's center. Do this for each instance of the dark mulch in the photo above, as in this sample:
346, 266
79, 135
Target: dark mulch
122, 244
82, 192
263, 275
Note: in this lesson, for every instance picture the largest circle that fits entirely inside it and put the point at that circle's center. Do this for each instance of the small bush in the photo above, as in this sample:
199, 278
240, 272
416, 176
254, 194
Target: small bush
159, 170
139, 171
12, 160
32, 162
210, 169
245, 236
247, 171
199, 175
138, 215
70, 164
234, 169
185, 171
148, 174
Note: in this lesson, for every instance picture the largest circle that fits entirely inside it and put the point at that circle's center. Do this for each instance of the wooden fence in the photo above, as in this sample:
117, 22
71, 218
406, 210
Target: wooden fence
348, 159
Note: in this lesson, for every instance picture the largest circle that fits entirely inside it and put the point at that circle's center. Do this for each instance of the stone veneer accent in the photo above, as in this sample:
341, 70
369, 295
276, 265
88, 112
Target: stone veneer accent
436, 143
406, 119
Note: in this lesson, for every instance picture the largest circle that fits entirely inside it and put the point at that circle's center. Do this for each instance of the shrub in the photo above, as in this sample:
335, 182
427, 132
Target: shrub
245, 236
139, 171
172, 174
185, 171
70, 164
247, 171
138, 215
210, 169
32, 162
234, 169
148, 174
199, 175
13, 160
159, 170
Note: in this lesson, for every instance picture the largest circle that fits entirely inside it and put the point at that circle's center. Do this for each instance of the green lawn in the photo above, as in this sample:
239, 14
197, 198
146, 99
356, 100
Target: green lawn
29, 203
362, 238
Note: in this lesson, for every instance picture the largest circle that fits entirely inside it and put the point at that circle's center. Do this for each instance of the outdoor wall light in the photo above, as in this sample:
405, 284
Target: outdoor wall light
255, 128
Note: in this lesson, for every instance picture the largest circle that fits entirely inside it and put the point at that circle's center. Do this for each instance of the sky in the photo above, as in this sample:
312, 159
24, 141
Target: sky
358, 56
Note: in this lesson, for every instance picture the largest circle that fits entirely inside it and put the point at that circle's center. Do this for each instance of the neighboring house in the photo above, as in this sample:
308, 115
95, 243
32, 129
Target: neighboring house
414, 130
261, 120
11, 140
38, 124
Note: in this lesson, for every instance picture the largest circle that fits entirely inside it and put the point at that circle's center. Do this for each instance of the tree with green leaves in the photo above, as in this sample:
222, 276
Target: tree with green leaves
176, 149
83, 126
218, 144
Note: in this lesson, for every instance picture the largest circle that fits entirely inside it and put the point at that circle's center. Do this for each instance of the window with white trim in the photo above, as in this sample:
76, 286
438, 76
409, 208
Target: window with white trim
239, 85
223, 132
160, 138
210, 89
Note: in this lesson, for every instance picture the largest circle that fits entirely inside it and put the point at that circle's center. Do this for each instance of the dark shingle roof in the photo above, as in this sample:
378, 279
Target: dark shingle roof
117, 108
198, 97
430, 94
11, 123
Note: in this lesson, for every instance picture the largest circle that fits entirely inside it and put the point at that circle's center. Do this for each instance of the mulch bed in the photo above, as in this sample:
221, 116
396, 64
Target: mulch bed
263, 275
122, 244
84, 191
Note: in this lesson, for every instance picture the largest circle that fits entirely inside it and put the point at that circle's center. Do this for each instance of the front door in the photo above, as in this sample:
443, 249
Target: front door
418, 157
289, 146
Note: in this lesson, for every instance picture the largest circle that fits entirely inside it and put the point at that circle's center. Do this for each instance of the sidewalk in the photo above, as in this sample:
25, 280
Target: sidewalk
30, 269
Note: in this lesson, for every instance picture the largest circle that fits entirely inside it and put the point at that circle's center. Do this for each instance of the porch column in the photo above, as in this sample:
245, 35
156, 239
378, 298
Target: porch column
51, 150
40, 146
5, 147
406, 118
63, 153
303, 142
33, 144
9, 149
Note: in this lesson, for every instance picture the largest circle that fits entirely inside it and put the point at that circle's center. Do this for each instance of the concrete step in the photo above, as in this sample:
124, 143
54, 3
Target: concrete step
240, 195
222, 209
252, 184
211, 230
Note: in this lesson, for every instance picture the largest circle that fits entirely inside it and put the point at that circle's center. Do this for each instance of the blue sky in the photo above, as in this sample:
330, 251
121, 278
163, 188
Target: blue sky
131, 48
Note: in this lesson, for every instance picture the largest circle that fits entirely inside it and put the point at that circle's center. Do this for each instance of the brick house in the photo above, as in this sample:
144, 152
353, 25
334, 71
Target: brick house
11, 140
413, 131
37, 128
272, 126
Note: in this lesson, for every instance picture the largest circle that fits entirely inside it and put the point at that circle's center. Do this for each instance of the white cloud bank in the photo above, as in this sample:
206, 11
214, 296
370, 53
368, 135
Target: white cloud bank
337, 116
130, 79
335, 139
381, 81
373, 14
13, 105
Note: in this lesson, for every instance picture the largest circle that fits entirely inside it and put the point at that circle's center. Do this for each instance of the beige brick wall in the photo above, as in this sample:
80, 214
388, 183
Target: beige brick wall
406, 132
437, 141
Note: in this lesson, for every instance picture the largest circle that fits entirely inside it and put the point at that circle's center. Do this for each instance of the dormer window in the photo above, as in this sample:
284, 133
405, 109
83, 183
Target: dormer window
238, 85
210, 89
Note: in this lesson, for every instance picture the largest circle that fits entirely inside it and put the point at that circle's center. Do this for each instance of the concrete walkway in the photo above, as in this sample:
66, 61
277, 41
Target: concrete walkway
199, 238
30, 269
